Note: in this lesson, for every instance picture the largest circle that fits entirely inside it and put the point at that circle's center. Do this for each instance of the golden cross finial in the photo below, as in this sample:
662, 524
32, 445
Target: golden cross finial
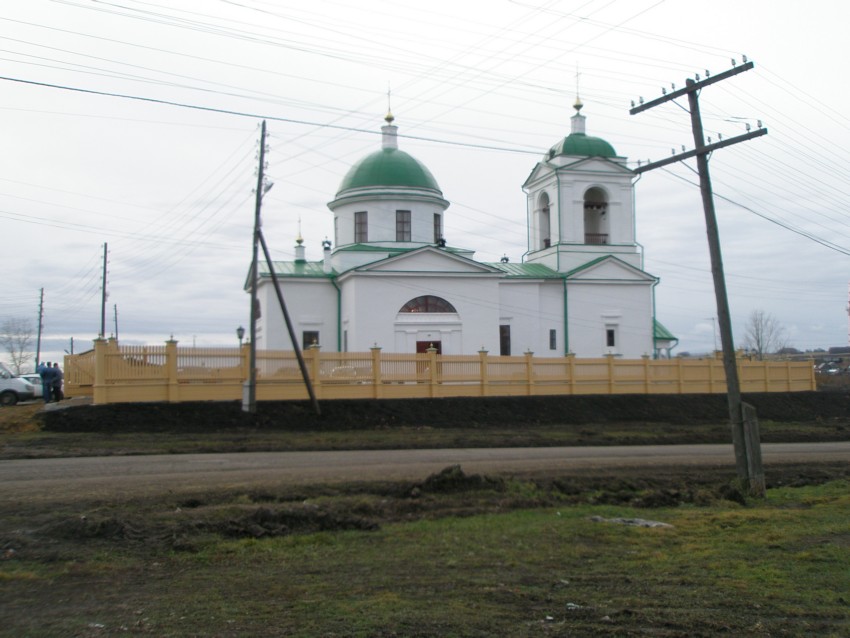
389, 117
578, 104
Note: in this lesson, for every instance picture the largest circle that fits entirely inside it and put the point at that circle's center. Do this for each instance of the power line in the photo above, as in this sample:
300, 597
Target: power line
210, 109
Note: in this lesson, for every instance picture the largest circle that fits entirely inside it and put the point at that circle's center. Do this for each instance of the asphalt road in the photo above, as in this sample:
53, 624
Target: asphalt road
116, 476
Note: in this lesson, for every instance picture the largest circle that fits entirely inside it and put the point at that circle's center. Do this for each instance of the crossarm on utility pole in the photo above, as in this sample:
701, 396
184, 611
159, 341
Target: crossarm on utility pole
708, 148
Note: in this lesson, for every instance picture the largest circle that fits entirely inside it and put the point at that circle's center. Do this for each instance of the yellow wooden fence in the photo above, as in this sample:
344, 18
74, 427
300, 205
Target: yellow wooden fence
114, 373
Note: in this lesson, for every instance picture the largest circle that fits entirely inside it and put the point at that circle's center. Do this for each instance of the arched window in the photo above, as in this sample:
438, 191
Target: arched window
428, 303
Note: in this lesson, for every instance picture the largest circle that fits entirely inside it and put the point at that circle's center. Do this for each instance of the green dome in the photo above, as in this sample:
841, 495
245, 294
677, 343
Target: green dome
584, 145
389, 167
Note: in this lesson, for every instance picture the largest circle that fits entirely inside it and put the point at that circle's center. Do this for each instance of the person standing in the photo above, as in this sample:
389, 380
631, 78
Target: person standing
46, 373
56, 382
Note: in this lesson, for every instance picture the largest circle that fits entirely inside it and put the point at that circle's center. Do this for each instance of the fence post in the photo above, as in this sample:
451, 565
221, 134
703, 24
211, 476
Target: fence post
710, 375
529, 372
571, 372
171, 370
679, 372
377, 385
813, 381
432, 365
646, 380
99, 394
611, 383
484, 372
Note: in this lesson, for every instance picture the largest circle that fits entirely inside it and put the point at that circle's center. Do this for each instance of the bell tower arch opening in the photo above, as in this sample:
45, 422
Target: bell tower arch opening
596, 222
544, 223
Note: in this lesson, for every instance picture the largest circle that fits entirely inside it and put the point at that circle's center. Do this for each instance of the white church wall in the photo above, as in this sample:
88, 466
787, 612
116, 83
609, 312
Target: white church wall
532, 309
597, 307
312, 306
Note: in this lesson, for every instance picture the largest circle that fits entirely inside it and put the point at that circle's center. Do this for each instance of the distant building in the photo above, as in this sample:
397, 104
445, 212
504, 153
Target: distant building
391, 279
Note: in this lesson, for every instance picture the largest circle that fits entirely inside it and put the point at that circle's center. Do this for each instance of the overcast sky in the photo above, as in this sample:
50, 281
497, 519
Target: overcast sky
136, 124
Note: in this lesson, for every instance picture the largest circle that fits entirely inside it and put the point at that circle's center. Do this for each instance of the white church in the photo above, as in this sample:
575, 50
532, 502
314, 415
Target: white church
390, 280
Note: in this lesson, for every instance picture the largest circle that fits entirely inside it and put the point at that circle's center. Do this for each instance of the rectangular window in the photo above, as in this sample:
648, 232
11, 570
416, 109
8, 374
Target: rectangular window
309, 338
336, 230
402, 225
361, 227
438, 228
611, 337
505, 341
553, 340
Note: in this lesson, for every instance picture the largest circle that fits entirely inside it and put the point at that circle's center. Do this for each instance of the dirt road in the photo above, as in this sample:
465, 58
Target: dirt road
115, 476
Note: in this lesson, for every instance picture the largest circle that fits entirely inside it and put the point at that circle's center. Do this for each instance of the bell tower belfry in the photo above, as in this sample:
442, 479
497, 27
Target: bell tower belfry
580, 204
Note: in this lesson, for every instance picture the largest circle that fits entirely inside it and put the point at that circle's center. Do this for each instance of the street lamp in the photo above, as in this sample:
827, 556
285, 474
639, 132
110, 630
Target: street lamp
240, 333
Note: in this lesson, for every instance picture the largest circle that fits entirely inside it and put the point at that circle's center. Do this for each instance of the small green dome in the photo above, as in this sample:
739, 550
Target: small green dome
584, 145
389, 167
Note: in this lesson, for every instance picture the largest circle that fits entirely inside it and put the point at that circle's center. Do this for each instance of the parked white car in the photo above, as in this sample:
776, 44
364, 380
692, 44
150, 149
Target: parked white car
35, 380
14, 389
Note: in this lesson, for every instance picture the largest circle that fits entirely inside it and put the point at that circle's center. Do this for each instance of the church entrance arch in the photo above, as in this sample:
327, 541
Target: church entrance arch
428, 321
423, 346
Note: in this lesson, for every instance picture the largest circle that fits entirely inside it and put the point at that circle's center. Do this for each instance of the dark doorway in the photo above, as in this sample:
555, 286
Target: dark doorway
422, 346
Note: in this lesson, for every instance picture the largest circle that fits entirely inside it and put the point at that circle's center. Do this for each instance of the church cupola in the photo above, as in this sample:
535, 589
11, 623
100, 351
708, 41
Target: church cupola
388, 199
578, 143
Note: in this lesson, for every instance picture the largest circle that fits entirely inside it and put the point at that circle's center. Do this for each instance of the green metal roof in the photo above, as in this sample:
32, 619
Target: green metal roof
528, 271
584, 145
661, 333
389, 167
295, 269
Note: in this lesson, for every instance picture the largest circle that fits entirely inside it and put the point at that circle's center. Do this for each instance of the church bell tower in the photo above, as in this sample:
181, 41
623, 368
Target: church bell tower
580, 204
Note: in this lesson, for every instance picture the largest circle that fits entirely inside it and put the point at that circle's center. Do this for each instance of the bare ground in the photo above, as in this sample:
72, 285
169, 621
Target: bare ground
82, 534
791, 417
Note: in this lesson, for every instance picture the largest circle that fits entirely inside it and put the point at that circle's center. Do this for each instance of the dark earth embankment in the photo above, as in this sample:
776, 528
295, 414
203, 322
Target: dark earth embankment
829, 409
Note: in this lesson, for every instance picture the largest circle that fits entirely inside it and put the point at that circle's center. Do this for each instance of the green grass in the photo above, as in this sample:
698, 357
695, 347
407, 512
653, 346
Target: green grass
773, 567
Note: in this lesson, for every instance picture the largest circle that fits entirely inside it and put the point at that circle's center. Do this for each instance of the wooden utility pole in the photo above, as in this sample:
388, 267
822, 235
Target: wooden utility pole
744, 422
103, 296
249, 398
249, 395
40, 327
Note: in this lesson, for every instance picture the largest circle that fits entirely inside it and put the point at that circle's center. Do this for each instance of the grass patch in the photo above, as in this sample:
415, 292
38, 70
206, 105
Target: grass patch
452, 556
